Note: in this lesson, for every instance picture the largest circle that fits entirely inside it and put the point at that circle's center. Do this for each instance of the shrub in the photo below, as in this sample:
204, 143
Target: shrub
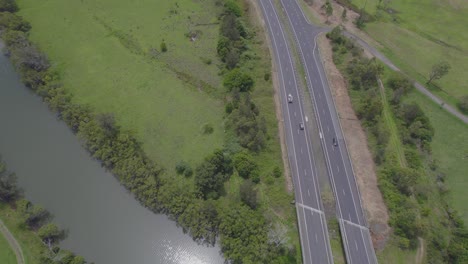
207, 129
266, 76
181, 167
163, 46
463, 104
277, 172
231, 7
13, 22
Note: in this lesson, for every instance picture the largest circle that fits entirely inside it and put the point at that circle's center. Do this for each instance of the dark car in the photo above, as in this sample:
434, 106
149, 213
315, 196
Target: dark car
335, 142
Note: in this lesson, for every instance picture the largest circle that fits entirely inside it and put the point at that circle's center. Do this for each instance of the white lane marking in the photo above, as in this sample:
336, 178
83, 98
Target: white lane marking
355, 225
301, 151
349, 214
316, 238
308, 192
310, 208
338, 168
328, 128
323, 111
305, 172
355, 243
294, 113
344, 193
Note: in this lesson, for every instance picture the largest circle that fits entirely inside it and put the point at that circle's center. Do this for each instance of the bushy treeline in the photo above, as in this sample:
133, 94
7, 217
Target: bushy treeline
198, 210
36, 219
407, 191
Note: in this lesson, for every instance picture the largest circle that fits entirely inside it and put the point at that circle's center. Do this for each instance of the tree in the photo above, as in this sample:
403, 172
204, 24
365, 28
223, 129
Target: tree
51, 234
278, 235
245, 165
243, 234
211, 174
248, 194
8, 6
237, 79
438, 71
229, 27
8, 189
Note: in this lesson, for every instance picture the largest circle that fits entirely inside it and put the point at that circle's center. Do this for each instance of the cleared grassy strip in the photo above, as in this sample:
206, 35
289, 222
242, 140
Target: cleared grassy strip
107, 66
395, 145
450, 149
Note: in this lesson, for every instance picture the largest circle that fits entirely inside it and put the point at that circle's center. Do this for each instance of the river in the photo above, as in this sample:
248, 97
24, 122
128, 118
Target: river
105, 224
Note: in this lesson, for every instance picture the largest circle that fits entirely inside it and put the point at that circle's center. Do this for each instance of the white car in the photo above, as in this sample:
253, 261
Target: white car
290, 98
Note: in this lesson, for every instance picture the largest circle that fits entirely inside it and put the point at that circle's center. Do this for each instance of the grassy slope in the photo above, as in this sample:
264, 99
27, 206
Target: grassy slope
29, 242
7, 256
426, 36
450, 148
165, 113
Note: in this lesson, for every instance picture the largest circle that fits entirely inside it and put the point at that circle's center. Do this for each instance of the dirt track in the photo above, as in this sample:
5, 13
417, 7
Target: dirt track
13, 243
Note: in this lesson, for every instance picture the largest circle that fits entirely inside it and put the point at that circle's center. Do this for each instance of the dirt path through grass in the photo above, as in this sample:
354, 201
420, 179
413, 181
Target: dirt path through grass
13, 243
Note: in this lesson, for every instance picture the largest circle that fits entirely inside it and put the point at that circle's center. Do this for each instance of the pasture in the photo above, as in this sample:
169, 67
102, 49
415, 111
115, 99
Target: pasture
108, 56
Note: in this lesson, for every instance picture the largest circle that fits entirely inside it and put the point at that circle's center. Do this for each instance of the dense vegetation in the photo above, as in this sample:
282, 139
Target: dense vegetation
413, 190
36, 219
201, 209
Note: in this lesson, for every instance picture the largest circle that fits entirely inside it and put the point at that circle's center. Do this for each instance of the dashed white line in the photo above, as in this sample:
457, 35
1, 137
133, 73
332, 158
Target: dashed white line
305, 172
355, 243
344, 193
308, 192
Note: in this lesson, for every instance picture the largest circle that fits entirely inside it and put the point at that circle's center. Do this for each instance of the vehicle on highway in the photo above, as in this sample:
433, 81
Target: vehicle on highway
301, 126
335, 142
290, 98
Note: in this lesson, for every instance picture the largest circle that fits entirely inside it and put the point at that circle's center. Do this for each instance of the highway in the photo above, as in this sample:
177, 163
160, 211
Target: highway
355, 233
313, 231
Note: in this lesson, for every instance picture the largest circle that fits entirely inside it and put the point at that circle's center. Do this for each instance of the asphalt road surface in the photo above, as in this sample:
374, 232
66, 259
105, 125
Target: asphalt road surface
356, 237
312, 223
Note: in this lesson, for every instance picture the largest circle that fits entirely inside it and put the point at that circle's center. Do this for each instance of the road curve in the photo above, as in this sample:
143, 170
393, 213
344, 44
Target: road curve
313, 231
355, 233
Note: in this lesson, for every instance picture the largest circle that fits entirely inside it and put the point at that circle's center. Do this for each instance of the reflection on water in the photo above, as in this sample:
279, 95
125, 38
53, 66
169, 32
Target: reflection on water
180, 255
106, 225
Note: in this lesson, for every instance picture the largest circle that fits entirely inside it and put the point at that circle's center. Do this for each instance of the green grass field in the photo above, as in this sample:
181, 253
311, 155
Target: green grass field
7, 256
104, 52
29, 242
420, 33
450, 148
